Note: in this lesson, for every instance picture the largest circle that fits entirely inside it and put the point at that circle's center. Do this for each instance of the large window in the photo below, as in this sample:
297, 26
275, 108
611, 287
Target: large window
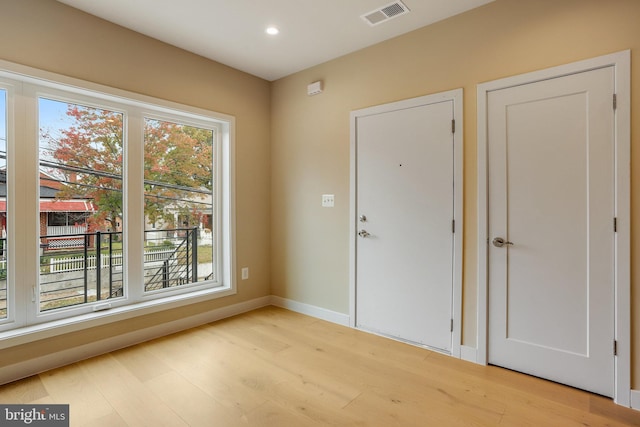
122, 203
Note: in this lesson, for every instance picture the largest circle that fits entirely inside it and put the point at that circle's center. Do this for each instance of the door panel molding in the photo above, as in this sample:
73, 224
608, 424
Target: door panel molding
621, 62
456, 97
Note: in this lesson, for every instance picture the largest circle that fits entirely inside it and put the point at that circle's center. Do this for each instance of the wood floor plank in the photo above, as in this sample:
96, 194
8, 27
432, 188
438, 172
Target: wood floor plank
134, 402
376, 410
24, 391
111, 420
271, 414
68, 385
207, 363
141, 363
602, 406
192, 404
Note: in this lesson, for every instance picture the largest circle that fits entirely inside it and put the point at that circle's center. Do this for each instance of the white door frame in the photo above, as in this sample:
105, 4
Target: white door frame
456, 96
621, 61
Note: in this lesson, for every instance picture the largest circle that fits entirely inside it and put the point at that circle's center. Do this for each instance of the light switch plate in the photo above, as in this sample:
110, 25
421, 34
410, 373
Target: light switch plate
328, 200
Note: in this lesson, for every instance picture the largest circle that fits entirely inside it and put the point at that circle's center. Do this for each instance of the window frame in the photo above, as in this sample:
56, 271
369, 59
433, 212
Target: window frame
217, 191
33, 92
23, 280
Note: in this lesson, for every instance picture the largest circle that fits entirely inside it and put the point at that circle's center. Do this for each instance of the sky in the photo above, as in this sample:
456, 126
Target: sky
51, 111
52, 115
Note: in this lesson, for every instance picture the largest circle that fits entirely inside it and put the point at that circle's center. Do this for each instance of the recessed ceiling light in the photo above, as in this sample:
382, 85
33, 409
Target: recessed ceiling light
272, 30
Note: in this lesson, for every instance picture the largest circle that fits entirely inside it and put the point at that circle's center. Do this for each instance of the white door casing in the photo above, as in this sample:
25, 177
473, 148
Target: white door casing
556, 296
406, 272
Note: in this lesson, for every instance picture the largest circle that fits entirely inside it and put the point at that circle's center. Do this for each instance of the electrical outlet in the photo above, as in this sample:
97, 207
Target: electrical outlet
245, 273
328, 200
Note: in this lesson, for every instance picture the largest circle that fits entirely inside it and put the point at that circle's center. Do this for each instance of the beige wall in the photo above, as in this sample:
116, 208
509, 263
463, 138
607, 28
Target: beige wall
48, 35
310, 135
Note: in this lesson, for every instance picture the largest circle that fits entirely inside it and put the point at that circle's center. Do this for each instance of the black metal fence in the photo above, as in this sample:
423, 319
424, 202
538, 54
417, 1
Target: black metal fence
179, 267
93, 270
87, 269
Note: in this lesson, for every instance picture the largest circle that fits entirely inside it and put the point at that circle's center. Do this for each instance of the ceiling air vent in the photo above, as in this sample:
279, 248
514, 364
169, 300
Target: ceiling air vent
380, 15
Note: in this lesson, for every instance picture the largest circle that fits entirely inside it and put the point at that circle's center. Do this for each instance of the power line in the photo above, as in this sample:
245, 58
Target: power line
78, 169
118, 190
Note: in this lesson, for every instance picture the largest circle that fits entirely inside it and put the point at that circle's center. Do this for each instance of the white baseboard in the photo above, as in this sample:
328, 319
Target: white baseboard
470, 354
65, 357
311, 310
635, 399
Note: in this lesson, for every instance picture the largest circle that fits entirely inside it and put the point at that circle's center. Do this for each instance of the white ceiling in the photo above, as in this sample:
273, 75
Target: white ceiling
233, 31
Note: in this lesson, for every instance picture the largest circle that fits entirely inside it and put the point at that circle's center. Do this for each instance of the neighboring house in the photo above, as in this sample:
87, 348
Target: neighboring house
200, 207
61, 217
61, 221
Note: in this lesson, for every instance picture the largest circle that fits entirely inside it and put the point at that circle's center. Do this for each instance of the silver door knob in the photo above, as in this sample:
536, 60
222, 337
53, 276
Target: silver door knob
363, 233
499, 242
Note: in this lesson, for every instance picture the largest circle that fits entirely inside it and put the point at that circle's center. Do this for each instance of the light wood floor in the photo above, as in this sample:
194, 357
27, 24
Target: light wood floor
273, 367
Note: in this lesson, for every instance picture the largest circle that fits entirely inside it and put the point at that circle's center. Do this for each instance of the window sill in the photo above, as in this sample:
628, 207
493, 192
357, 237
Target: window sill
28, 334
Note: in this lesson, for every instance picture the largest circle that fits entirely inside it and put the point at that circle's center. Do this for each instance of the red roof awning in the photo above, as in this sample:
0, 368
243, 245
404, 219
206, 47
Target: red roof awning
59, 206
66, 206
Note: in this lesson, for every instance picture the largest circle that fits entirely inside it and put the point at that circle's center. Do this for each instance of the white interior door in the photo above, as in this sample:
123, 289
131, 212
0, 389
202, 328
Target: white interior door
405, 208
551, 200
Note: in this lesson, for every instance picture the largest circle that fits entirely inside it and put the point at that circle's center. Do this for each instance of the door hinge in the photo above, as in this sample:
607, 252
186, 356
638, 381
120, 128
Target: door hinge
615, 101
451, 325
615, 225
615, 347
453, 225
453, 126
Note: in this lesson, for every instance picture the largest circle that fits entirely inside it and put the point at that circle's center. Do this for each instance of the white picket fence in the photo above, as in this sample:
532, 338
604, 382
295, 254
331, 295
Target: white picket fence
67, 264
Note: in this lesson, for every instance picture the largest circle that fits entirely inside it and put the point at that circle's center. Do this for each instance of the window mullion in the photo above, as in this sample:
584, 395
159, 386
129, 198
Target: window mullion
134, 204
24, 192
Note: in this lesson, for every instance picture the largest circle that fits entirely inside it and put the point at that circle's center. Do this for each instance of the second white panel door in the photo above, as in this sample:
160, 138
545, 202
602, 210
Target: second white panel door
551, 201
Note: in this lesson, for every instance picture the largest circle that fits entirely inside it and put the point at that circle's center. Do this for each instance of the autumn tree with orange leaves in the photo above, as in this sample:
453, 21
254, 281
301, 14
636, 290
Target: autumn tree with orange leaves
178, 170
87, 157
